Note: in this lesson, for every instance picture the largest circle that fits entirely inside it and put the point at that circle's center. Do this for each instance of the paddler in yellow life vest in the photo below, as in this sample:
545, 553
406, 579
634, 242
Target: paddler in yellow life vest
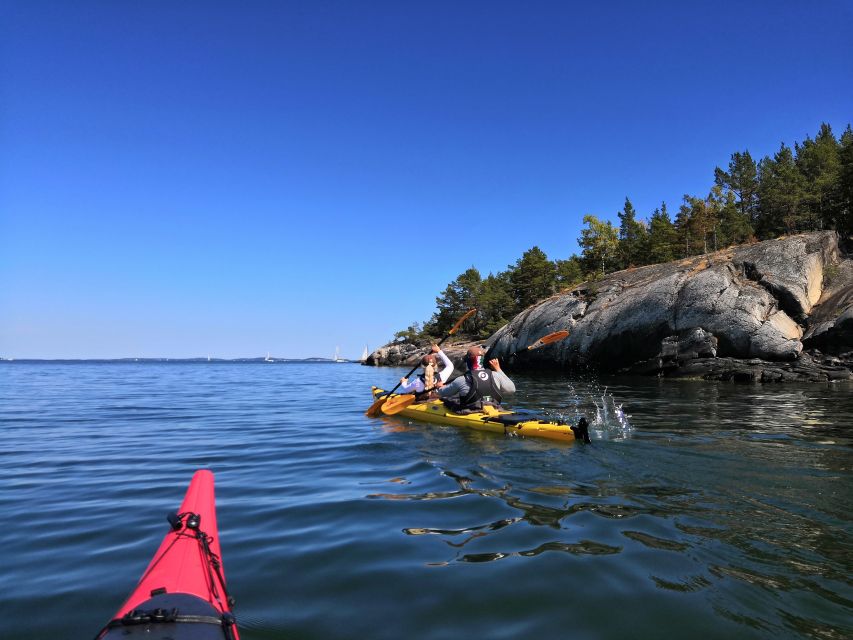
478, 386
430, 378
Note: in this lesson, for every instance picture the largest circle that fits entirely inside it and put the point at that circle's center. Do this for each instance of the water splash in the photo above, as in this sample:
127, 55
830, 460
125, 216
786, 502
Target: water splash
607, 419
611, 422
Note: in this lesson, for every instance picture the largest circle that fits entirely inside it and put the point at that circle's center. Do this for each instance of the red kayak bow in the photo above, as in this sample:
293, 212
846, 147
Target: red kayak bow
182, 594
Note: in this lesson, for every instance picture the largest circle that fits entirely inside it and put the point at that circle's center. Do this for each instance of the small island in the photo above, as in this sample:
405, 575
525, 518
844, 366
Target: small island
753, 283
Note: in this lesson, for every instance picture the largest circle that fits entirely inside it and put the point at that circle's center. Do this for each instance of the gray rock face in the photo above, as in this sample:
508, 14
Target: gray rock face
830, 327
396, 355
409, 355
753, 303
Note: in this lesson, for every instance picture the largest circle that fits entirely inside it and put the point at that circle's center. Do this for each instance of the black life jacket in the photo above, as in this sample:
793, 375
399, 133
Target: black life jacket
480, 385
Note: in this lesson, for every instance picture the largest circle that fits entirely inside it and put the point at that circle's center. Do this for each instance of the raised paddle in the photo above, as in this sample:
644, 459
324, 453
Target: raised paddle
374, 409
396, 405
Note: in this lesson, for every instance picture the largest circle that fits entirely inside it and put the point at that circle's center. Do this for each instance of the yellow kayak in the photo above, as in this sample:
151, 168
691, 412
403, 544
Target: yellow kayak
490, 419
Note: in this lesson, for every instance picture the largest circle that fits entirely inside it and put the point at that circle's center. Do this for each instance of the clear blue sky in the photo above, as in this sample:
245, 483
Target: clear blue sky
190, 178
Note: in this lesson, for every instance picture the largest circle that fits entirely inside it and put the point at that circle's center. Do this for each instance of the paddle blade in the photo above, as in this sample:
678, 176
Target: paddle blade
397, 404
458, 324
551, 337
375, 409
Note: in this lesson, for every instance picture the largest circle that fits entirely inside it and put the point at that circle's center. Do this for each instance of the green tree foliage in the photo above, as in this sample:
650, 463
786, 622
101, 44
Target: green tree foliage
663, 238
412, 333
715, 205
711, 223
684, 229
459, 296
702, 220
633, 238
780, 193
819, 163
569, 272
844, 219
600, 245
735, 227
495, 304
532, 278
741, 180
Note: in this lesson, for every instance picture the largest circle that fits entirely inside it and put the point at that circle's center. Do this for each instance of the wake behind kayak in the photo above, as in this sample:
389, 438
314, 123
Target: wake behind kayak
182, 594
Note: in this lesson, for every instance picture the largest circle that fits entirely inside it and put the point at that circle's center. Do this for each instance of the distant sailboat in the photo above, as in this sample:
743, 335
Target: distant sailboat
268, 359
365, 353
338, 355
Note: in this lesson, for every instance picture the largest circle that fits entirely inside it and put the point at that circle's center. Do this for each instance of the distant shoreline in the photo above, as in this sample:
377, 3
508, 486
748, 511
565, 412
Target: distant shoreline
178, 360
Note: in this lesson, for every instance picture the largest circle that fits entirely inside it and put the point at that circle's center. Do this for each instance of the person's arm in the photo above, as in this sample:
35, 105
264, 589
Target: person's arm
502, 381
444, 374
504, 384
457, 387
415, 386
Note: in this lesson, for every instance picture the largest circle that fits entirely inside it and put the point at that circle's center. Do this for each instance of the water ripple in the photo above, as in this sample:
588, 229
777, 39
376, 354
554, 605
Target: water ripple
700, 510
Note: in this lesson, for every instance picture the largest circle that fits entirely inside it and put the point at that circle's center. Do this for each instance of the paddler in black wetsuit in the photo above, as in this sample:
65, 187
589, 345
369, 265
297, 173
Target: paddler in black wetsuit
478, 386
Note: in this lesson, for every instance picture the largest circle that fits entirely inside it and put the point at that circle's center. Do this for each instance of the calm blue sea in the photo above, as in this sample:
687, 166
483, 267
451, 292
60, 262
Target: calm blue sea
701, 510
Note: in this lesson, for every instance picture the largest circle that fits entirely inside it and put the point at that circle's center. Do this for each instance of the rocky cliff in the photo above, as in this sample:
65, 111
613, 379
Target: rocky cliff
408, 355
771, 311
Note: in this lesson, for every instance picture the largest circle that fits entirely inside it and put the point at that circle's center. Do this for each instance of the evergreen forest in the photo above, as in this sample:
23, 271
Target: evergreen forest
805, 188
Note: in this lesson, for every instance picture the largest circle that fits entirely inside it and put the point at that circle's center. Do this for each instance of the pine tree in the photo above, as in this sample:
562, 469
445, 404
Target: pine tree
663, 237
742, 180
569, 272
714, 207
633, 248
495, 305
844, 218
780, 193
532, 278
734, 227
683, 229
819, 164
459, 296
698, 218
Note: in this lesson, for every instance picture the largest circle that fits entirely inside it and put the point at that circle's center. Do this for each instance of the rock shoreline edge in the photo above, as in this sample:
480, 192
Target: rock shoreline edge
774, 311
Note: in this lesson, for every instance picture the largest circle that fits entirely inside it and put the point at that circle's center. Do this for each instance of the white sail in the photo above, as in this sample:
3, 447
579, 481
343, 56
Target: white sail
365, 353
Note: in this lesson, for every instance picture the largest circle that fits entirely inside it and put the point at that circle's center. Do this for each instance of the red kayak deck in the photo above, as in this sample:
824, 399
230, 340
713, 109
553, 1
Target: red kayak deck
182, 593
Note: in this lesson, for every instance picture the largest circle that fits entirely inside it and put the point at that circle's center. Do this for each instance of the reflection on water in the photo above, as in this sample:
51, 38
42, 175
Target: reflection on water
699, 510
728, 496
